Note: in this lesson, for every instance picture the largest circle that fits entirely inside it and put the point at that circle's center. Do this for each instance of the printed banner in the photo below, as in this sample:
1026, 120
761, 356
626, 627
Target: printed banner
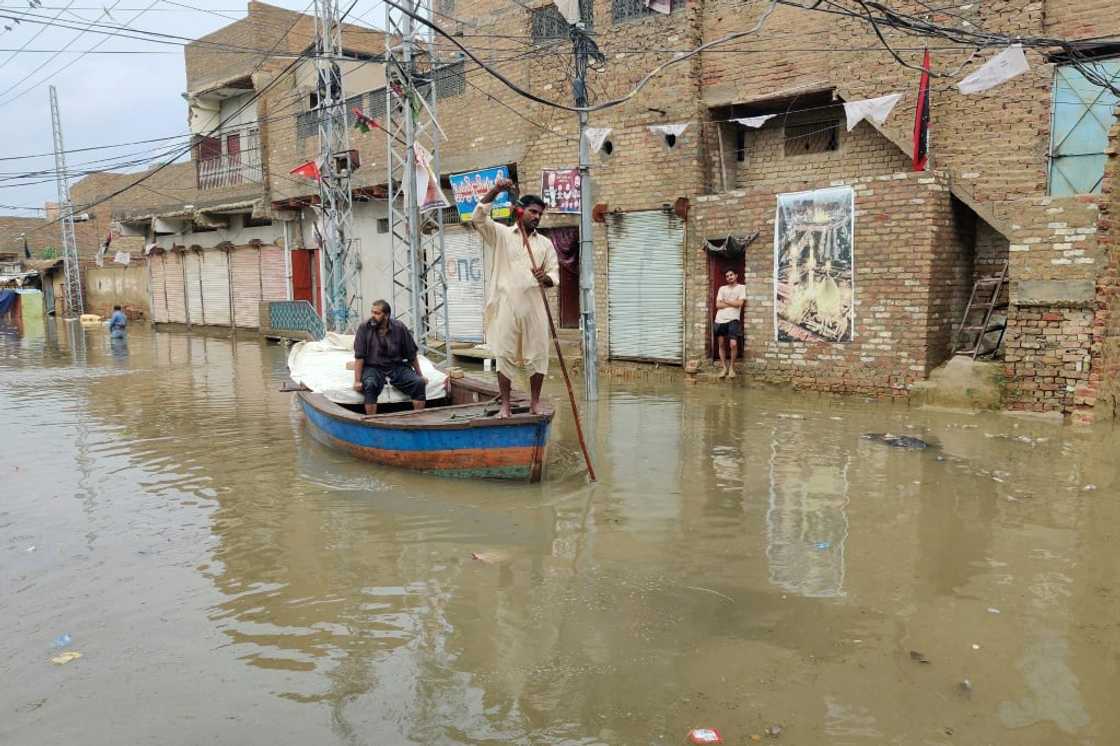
814, 281
560, 189
472, 186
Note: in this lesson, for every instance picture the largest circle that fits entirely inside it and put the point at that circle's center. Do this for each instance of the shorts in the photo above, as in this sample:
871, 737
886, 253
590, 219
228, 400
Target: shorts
729, 329
403, 378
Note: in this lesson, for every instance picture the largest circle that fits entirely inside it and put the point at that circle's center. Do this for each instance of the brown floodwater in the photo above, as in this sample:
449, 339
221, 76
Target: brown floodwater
746, 560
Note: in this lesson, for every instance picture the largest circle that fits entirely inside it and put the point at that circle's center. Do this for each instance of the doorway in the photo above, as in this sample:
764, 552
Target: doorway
305, 277
718, 264
566, 241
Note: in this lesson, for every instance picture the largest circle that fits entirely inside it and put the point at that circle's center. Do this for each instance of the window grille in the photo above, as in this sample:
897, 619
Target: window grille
627, 10
548, 24
812, 137
451, 80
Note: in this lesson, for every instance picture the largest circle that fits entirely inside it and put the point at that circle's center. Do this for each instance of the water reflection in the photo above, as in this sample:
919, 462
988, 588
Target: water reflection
807, 519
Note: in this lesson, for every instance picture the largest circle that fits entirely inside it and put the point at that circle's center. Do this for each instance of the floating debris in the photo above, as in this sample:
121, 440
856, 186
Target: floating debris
69, 655
919, 657
62, 641
896, 441
704, 736
774, 730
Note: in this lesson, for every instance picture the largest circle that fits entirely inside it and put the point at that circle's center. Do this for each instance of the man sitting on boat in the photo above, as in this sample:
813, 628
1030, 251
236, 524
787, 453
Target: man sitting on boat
384, 351
515, 319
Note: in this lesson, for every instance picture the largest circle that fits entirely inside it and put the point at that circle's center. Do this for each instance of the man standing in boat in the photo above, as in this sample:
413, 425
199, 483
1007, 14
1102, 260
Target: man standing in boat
385, 352
515, 319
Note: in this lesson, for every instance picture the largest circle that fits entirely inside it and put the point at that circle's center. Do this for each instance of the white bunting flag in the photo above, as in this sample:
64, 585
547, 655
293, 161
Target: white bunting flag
569, 9
875, 109
755, 122
659, 6
428, 193
1006, 65
122, 257
676, 130
596, 136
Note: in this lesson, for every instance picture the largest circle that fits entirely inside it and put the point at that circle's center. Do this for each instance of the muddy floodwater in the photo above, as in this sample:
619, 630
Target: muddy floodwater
747, 560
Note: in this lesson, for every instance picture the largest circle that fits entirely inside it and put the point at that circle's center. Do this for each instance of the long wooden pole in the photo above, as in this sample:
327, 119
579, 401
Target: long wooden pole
560, 357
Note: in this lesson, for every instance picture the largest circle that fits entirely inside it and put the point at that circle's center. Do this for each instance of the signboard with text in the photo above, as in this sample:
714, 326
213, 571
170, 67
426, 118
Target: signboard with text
470, 187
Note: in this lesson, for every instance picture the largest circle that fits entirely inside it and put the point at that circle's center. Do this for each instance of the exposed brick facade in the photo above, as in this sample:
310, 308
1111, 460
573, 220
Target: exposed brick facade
918, 245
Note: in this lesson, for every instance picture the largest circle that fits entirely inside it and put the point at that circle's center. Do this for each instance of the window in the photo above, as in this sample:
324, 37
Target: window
451, 80
383, 225
208, 148
307, 124
820, 136
1083, 113
548, 24
445, 7
376, 104
251, 222
627, 10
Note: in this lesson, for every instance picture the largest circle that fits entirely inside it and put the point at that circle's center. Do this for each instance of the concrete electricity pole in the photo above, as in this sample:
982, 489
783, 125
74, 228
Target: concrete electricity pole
72, 277
582, 49
341, 260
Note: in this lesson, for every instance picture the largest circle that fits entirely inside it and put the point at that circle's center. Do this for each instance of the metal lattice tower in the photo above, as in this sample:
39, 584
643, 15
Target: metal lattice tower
72, 276
341, 260
415, 236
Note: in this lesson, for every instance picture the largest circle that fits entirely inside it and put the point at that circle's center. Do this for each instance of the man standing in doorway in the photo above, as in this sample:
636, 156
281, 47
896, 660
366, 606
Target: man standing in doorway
515, 319
384, 351
728, 324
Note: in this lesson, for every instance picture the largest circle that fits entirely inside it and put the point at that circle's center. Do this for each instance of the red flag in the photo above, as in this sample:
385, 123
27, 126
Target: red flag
363, 122
921, 120
309, 170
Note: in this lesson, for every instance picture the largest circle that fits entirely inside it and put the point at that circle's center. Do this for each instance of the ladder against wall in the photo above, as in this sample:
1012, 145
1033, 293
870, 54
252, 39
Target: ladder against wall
976, 323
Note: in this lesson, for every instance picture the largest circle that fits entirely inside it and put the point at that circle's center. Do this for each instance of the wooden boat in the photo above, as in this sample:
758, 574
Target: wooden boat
459, 436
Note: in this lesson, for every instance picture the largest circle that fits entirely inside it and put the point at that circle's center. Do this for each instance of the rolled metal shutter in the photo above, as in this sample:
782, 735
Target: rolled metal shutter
274, 278
466, 284
645, 286
192, 271
173, 278
158, 285
245, 273
215, 288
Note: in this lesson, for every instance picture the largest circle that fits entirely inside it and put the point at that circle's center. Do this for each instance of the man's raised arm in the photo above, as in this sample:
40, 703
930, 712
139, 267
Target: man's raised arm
481, 219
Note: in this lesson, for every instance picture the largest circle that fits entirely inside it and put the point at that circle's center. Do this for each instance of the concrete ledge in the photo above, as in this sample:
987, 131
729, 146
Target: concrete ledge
1069, 293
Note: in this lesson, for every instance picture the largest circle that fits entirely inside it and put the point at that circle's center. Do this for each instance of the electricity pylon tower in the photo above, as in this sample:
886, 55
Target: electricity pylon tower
72, 276
341, 255
413, 135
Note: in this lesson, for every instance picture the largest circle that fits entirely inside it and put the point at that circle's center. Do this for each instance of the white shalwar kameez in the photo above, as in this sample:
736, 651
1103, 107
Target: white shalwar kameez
514, 319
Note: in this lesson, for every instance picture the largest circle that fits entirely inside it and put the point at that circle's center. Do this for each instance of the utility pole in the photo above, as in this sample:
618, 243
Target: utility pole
72, 277
419, 273
582, 46
341, 260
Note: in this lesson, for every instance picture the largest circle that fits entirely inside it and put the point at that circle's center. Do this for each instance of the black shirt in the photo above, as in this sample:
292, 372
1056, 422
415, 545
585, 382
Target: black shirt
384, 350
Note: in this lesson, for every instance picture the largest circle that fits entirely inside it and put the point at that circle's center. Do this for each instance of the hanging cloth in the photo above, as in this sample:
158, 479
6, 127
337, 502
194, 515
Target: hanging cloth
755, 122
596, 136
1006, 65
566, 241
875, 109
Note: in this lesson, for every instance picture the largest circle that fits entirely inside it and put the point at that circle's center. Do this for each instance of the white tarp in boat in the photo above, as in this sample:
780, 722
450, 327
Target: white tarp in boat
321, 367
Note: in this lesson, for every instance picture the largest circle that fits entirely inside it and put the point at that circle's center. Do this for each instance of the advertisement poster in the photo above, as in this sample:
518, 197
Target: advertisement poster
814, 282
560, 189
470, 187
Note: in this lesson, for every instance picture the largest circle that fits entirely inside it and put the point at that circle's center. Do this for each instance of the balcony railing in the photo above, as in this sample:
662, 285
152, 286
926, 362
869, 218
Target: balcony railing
224, 170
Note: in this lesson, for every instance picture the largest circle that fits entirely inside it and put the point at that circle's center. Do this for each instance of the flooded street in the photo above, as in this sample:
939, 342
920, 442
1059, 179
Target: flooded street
748, 559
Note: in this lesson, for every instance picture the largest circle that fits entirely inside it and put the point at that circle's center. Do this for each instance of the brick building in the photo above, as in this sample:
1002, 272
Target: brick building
916, 240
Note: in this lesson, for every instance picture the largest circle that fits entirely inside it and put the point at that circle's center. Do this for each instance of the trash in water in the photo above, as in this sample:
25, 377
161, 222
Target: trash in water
975, 646
1089, 487
774, 731
31, 548
896, 441
919, 657
69, 655
965, 687
822, 545
61, 641
490, 558
704, 735
993, 610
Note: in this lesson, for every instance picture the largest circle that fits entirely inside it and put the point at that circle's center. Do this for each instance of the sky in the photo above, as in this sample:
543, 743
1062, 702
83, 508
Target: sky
104, 99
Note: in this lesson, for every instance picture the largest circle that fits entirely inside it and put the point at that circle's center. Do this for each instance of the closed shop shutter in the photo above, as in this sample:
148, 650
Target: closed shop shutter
466, 285
245, 269
645, 286
192, 269
157, 283
274, 278
215, 288
173, 279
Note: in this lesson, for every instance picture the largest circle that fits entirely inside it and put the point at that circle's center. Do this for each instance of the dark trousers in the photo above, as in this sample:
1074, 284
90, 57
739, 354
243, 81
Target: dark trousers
401, 375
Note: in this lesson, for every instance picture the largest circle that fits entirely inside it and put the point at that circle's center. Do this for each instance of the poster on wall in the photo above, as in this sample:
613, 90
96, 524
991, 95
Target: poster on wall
560, 189
470, 187
814, 281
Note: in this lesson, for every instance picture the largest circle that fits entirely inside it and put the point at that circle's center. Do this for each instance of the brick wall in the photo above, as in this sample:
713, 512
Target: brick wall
909, 263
